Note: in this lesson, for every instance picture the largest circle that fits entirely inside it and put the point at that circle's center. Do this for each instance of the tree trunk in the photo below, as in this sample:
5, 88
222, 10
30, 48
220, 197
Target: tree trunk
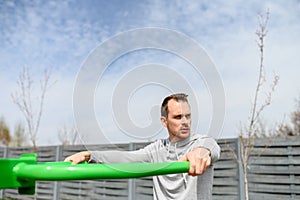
246, 181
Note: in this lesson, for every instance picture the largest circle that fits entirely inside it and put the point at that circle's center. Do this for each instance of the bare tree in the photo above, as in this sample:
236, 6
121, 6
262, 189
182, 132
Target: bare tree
68, 136
5, 137
249, 131
19, 138
295, 118
247, 134
292, 128
26, 103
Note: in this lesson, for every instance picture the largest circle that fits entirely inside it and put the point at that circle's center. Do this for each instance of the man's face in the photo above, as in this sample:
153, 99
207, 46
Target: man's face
178, 121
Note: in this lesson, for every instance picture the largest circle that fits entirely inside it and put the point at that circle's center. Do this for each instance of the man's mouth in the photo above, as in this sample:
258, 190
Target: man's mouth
184, 130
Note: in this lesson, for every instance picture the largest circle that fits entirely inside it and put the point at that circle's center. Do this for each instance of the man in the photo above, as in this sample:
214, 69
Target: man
200, 151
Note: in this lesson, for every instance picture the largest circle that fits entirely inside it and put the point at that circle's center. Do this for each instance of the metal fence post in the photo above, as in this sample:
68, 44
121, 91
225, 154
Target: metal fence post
131, 182
5, 153
290, 166
56, 184
240, 170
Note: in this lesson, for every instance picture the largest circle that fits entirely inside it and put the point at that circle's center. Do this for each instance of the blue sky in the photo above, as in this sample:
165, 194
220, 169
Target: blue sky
61, 34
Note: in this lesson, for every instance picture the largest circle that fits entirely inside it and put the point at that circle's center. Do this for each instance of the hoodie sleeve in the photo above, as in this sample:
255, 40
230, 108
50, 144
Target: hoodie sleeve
119, 156
210, 144
145, 154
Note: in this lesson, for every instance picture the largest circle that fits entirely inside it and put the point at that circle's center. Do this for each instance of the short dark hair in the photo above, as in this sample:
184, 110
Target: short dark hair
177, 97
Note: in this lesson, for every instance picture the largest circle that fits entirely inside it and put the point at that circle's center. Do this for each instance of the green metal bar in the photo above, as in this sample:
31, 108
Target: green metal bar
23, 172
59, 171
9, 179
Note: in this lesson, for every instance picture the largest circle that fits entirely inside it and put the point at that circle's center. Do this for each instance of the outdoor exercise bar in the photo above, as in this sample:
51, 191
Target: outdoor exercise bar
22, 172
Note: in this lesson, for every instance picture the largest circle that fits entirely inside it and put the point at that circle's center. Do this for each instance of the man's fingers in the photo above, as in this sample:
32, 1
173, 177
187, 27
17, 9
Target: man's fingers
190, 158
199, 159
76, 158
193, 164
68, 159
182, 159
200, 165
199, 169
208, 163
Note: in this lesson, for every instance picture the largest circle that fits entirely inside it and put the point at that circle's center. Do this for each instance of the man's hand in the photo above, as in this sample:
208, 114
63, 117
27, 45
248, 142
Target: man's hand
199, 159
79, 157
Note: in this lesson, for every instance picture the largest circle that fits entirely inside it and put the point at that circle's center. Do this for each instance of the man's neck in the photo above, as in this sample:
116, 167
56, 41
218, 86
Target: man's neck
177, 139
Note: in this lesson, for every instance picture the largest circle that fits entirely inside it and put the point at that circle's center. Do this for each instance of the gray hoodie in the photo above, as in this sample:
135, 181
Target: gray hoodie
172, 186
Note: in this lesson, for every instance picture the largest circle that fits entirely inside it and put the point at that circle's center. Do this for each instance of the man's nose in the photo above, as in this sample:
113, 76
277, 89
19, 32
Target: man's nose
184, 120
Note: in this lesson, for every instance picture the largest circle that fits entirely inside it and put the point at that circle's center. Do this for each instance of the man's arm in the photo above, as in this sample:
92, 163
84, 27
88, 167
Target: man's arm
109, 156
79, 157
201, 158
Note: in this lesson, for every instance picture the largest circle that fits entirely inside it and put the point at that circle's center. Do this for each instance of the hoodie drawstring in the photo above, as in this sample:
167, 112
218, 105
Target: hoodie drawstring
183, 175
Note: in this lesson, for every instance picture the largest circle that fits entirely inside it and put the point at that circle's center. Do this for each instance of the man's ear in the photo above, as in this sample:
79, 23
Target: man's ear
163, 121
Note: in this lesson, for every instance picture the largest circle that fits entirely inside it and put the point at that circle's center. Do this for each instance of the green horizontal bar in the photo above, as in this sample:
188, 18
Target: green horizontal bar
58, 171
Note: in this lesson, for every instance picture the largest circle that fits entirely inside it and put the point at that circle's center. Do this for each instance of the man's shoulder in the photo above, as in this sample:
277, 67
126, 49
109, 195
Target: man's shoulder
198, 136
156, 143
